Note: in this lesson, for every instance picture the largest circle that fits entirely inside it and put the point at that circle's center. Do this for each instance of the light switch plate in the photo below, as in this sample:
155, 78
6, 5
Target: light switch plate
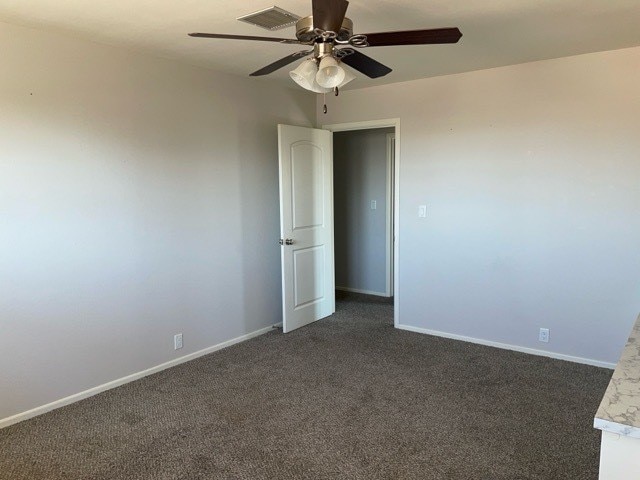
422, 211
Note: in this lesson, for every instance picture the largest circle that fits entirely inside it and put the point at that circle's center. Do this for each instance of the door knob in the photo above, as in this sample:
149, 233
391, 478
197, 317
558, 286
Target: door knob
288, 241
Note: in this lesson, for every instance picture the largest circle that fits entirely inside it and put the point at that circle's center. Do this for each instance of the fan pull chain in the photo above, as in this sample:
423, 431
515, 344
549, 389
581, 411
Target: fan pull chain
324, 108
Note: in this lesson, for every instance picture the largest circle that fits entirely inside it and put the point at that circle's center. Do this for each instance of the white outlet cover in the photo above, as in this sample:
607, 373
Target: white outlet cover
543, 336
177, 341
374, 205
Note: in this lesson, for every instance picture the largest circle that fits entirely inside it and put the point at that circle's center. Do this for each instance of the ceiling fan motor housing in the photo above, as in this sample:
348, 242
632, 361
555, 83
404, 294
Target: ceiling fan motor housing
306, 33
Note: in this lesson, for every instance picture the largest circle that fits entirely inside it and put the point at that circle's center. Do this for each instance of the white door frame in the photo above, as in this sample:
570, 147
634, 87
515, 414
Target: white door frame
389, 122
391, 151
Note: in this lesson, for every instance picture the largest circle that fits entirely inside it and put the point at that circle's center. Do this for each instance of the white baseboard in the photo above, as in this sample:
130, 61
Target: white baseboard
34, 412
506, 346
366, 292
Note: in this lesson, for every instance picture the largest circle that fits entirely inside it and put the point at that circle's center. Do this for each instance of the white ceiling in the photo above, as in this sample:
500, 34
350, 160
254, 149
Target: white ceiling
496, 32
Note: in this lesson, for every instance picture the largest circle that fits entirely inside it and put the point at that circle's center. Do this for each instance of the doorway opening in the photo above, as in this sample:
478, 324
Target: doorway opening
365, 166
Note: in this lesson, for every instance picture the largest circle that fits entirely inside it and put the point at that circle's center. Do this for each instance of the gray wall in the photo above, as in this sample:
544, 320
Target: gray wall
138, 199
360, 176
531, 176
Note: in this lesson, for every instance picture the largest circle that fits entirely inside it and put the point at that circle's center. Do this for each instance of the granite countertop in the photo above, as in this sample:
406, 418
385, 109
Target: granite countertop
619, 411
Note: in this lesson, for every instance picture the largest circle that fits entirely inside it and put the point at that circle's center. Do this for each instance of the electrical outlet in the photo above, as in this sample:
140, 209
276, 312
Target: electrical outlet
374, 204
177, 341
543, 336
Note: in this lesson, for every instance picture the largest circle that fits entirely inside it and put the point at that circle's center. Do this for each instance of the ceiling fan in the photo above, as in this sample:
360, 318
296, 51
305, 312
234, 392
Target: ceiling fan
330, 33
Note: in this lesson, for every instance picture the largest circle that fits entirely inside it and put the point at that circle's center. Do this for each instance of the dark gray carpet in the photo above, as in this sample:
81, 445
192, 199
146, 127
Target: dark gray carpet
346, 398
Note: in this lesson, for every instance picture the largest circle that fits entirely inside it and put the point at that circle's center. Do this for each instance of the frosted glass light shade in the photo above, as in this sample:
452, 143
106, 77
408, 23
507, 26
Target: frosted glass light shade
330, 74
318, 89
305, 74
348, 76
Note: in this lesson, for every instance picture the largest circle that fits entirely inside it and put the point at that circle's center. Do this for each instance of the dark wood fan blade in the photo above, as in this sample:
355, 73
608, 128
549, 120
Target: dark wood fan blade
283, 62
244, 37
367, 65
328, 15
414, 37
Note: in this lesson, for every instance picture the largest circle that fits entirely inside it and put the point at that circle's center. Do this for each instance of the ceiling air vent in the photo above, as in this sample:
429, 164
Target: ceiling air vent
272, 18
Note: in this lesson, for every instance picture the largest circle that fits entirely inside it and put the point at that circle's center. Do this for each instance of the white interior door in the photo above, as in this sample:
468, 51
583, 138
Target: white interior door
306, 225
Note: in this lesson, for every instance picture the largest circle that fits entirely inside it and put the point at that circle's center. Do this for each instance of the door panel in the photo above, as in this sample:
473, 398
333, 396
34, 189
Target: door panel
307, 185
306, 221
308, 271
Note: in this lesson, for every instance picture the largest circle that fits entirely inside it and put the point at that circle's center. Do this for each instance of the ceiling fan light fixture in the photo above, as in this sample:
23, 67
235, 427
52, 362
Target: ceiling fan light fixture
330, 74
305, 74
